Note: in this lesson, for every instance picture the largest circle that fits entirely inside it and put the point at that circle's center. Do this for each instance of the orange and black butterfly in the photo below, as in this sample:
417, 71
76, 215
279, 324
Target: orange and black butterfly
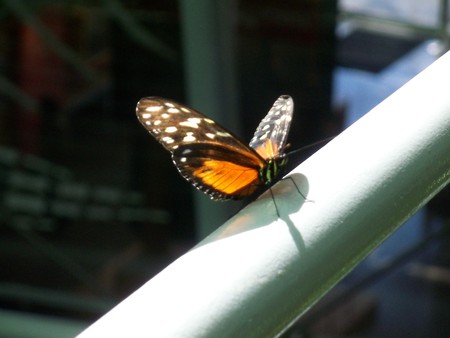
214, 160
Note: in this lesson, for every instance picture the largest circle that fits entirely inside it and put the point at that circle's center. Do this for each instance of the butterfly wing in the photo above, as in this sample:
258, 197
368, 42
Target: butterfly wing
270, 137
206, 154
219, 171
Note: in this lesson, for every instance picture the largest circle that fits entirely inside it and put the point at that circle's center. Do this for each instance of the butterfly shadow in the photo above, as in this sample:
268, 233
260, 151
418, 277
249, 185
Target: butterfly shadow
293, 194
274, 205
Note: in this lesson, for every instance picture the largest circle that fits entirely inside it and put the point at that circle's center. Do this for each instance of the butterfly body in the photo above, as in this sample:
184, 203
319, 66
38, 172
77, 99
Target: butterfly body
271, 171
215, 161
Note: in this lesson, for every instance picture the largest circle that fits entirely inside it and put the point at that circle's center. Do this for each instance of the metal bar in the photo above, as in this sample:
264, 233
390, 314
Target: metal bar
23, 12
257, 273
443, 22
207, 31
351, 290
21, 324
388, 25
137, 31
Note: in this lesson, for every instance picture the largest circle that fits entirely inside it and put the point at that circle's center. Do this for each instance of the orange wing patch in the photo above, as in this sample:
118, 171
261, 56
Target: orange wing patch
268, 149
227, 177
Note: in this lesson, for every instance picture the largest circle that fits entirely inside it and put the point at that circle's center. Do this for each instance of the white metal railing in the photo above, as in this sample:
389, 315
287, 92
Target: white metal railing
401, 27
256, 274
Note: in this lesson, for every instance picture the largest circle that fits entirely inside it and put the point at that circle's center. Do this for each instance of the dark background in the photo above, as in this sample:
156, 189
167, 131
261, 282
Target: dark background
92, 206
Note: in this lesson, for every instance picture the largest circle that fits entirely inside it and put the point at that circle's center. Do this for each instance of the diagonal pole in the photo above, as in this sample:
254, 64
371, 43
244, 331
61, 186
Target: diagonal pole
257, 273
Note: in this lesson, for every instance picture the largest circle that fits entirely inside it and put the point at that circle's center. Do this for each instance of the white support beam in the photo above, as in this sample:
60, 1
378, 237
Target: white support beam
256, 274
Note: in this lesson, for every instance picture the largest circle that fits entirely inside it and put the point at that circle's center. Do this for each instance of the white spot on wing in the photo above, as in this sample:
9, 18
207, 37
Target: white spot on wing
223, 134
195, 120
146, 115
183, 159
168, 139
168, 104
210, 135
157, 122
171, 129
185, 110
148, 123
189, 124
173, 110
165, 115
208, 120
153, 108
189, 137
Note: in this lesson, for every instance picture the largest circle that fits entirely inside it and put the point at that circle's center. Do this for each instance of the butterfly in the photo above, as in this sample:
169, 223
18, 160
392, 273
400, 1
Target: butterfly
210, 157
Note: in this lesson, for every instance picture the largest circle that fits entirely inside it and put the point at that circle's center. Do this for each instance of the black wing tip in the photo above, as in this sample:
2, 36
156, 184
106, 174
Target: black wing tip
285, 97
146, 101
149, 98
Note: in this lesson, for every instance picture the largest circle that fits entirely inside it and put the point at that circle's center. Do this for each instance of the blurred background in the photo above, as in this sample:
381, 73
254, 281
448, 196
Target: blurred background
91, 206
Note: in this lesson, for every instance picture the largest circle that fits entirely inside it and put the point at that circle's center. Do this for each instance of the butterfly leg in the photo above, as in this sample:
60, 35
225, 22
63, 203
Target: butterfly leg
296, 186
298, 189
274, 202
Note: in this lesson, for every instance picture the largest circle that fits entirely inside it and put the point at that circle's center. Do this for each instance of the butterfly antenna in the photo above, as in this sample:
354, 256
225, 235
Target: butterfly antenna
310, 145
289, 177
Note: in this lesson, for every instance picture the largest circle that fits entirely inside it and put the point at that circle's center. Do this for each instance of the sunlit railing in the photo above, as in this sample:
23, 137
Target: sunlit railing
257, 273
